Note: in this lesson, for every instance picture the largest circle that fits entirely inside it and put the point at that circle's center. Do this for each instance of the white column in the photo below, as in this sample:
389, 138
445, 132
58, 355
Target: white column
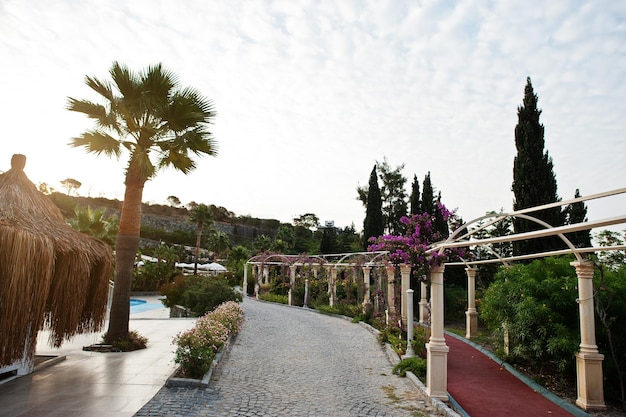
391, 289
590, 385
266, 274
245, 279
471, 315
333, 286
409, 324
292, 281
306, 292
436, 348
405, 272
423, 303
366, 281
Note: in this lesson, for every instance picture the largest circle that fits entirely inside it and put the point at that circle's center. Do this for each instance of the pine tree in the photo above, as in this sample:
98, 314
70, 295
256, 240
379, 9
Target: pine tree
374, 223
577, 213
534, 182
415, 205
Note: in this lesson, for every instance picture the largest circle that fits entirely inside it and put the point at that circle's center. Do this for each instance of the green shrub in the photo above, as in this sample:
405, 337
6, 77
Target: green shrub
133, 341
535, 304
203, 294
174, 290
416, 365
274, 298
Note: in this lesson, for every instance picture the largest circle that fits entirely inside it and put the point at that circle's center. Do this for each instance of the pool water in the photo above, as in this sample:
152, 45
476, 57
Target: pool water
134, 302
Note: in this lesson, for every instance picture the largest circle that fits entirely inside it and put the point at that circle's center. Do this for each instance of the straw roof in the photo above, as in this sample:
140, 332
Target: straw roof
50, 274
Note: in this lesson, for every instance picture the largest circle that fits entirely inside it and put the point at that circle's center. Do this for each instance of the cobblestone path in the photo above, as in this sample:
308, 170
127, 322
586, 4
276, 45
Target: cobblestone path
292, 362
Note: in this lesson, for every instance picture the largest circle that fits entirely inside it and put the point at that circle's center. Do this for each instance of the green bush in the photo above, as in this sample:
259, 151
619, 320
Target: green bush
274, 298
203, 294
535, 304
416, 365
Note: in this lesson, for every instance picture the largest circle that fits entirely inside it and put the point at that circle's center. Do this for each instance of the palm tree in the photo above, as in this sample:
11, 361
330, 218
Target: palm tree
95, 223
219, 242
201, 216
160, 124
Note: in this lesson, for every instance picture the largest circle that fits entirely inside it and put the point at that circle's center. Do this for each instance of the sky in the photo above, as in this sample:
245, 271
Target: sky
310, 95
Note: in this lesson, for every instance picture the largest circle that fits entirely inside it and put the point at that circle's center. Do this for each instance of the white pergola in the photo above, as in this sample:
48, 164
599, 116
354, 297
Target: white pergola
590, 390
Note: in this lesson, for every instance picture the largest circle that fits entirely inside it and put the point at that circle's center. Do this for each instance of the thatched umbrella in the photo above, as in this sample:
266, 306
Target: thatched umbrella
50, 274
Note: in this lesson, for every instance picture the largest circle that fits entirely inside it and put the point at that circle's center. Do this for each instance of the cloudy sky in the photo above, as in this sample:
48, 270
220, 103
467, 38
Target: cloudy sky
310, 94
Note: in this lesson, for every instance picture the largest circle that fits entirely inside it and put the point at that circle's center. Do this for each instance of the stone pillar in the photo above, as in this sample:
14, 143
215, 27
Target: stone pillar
410, 353
266, 274
436, 348
306, 292
292, 281
391, 289
405, 272
423, 303
333, 286
366, 281
471, 315
245, 279
588, 360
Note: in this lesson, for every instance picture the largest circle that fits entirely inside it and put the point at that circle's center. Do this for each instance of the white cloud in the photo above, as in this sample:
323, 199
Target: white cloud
310, 94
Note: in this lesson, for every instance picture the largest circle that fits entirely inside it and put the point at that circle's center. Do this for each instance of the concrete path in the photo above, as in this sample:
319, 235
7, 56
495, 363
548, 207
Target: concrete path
290, 361
92, 384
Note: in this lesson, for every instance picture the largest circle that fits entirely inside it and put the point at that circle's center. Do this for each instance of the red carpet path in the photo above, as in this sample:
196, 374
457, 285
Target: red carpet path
484, 389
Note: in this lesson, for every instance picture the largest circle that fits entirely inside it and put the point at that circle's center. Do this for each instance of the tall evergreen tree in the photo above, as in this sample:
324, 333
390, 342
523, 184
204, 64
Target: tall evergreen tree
374, 223
393, 197
428, 197
328, 244
577, 213
534, 182
440, 223
415, 205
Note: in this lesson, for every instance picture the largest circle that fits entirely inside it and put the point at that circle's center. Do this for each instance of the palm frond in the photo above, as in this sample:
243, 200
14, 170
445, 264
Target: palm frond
103, 88
177, 160
199, 141
92, 110
97, 142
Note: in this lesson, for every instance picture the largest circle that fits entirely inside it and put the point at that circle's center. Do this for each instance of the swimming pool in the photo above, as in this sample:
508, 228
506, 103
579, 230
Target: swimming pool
135, 302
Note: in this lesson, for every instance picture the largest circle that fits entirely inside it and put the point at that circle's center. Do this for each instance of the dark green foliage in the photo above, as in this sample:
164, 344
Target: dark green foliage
577, 213
173, 290
374, 223
199, 294
534, 182
610, 305
415, 205
393, 196
536, 305
428, 197
329, 241
132, 341
416, 365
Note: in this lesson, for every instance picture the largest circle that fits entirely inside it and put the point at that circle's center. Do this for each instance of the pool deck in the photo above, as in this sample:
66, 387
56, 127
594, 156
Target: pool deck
98, 384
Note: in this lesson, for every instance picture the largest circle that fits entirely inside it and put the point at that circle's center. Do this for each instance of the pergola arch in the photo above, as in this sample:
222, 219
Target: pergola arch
588, 359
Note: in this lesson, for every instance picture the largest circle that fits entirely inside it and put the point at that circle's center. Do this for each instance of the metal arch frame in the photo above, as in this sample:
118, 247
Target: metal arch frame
454, 240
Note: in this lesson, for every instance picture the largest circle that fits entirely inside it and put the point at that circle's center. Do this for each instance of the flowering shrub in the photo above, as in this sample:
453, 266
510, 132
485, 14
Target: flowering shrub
196, 348
230, 314
421, 234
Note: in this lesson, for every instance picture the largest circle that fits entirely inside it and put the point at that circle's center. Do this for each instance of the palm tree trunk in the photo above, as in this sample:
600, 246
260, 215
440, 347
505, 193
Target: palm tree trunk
198, 240
125, 250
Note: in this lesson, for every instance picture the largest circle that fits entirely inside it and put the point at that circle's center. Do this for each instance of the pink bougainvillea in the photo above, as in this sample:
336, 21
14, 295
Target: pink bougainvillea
420, 236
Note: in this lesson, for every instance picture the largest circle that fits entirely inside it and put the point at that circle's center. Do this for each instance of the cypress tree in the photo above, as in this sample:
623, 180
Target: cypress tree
534, 182
414, 198
374, 223
393, 197
577, 213
428, 197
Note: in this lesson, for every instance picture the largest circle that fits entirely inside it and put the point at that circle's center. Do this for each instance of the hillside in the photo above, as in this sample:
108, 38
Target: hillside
167, 223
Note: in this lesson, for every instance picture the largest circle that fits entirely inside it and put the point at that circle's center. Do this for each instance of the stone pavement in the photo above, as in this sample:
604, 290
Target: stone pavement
289, 361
